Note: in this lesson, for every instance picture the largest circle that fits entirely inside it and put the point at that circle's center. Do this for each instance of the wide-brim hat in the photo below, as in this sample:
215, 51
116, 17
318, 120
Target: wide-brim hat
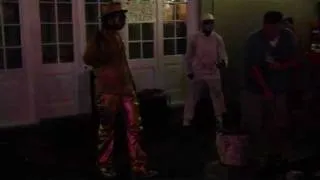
112, 7
207, 16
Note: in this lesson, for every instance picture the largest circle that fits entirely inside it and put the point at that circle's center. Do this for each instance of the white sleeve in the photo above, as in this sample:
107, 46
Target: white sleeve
222, 53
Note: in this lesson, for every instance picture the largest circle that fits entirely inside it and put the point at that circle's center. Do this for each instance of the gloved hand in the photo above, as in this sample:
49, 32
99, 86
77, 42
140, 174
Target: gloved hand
190, 76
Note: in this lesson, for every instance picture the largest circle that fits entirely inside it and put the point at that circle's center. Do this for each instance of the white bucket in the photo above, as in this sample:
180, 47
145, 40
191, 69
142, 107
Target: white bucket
232, 148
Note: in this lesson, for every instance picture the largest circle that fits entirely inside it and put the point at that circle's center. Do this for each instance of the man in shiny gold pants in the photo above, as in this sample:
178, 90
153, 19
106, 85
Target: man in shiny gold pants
115, 91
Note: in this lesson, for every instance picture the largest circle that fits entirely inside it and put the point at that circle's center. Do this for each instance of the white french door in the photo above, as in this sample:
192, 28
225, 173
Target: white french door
57, 71
16, 99
172, 35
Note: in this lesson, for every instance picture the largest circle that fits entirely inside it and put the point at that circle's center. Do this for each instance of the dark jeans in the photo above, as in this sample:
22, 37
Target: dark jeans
265, 120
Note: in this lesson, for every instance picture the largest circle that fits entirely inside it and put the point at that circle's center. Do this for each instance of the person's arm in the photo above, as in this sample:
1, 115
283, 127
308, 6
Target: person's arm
253, 65
93, 50
222, 53
190, 55
91, 54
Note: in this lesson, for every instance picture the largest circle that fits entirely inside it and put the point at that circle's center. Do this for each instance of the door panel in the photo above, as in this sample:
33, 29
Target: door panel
173, 38
144, 76
58, 94
174, 81
57, 74
140, 35
15, 99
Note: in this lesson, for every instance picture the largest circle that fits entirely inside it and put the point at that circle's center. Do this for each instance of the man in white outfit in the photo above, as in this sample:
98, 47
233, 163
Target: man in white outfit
205, 55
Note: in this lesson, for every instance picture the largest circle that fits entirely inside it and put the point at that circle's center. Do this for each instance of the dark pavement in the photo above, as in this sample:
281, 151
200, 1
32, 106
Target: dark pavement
65, 149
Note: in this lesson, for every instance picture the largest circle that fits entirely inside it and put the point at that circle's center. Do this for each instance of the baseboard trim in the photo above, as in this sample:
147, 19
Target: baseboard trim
68, 117
9, 125
13, 125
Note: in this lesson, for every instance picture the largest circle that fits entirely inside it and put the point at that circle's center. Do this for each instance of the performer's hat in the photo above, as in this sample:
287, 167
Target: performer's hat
112, 7
207, 16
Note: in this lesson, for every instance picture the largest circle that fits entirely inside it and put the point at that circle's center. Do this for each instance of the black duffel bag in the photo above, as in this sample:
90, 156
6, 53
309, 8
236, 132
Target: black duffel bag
154, 111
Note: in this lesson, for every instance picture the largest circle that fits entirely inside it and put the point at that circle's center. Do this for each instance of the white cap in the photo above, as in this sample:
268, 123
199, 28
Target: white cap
207, 16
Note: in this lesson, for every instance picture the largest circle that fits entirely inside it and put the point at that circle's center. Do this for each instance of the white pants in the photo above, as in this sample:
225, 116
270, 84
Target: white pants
195, 89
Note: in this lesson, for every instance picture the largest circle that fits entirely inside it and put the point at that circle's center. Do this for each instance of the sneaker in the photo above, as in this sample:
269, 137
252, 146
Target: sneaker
108, 174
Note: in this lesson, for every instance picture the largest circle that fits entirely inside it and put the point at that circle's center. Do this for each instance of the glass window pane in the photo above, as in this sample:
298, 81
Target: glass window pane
1, 59
168, 12
47, 13
66, 53
49, 54
11, 13
91, 12
12, 35
64, 12
169, 47
134, 50
147, 31
181, 11
141, 11
13, 58
65, 33
134, 32
48, 33
181, 29
147, 49
168, 30
91, 30
181, 46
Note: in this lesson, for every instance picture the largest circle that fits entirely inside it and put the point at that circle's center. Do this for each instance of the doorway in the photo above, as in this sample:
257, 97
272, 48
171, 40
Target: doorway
156, 39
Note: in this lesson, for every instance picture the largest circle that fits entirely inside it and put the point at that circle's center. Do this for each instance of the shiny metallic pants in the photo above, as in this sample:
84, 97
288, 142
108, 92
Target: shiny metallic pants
108, 106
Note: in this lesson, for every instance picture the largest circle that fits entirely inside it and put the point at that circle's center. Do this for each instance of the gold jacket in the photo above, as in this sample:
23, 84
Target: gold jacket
106, 54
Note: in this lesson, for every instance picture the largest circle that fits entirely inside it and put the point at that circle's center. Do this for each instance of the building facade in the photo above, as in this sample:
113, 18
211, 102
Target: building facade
42, 42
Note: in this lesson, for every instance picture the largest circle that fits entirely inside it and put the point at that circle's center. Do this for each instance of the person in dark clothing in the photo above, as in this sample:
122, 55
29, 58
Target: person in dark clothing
269, 56
299, 75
